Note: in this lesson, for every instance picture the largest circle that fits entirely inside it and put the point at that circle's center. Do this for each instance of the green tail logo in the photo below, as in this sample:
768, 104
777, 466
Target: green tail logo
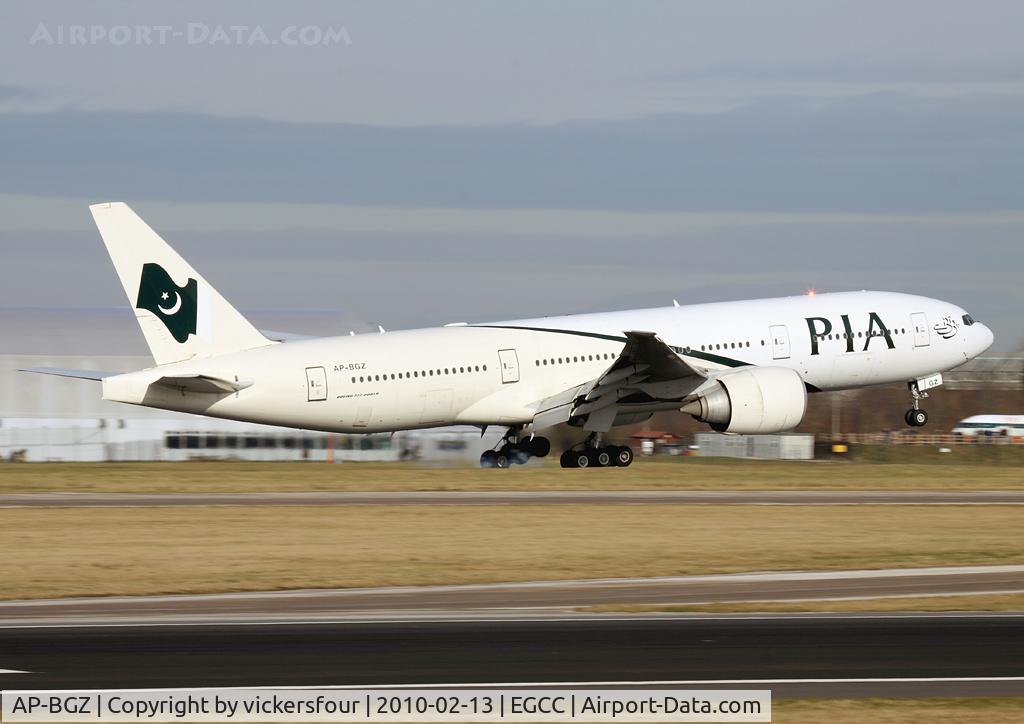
176, 306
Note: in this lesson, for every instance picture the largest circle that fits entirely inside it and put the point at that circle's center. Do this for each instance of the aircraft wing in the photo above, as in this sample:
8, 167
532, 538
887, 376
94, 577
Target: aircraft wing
647, 376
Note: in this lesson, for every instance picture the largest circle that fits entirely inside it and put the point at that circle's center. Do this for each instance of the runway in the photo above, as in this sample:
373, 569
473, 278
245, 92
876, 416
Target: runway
795, 656
530, 633
508, 601
567, 497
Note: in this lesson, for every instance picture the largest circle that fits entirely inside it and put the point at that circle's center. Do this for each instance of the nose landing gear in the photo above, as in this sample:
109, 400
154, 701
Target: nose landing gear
915, 416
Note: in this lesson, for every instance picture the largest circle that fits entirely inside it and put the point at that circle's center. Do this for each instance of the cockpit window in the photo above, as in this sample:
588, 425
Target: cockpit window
968, 320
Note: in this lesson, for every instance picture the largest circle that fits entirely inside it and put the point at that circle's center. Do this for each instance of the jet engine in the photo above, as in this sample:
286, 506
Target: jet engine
752, 400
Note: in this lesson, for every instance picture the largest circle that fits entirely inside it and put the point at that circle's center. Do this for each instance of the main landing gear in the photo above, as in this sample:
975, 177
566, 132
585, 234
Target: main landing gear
515, 450
916, 417
594, 454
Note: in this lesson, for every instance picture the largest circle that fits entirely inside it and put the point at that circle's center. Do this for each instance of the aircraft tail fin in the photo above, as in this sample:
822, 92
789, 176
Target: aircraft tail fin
180, 314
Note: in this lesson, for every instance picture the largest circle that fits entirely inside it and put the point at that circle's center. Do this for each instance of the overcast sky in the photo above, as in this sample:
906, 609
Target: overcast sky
413, 163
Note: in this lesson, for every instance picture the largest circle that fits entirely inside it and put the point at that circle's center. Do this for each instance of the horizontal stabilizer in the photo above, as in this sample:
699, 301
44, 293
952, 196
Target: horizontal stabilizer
204, 383
64, 372
284, 336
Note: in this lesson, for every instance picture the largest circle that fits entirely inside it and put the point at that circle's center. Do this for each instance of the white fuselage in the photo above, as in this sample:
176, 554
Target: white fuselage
496, 374
987, 425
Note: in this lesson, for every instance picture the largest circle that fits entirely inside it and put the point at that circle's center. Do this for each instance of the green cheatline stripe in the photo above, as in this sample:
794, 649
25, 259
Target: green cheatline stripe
706, 356
576, 332
727, 361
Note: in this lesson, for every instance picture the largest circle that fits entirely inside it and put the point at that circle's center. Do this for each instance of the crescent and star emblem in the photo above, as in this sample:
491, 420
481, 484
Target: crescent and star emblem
173, 309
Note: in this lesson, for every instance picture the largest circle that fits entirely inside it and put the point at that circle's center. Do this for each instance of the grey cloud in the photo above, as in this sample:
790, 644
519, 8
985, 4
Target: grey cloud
868, 72
18, 93
878, 153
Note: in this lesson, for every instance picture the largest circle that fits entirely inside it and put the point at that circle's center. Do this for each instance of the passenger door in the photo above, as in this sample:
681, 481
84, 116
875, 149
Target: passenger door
316, 384
922, 338
779, 334
509, 365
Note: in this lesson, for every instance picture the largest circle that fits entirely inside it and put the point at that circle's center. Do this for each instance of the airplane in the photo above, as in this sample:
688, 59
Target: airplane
741, 367
983, 426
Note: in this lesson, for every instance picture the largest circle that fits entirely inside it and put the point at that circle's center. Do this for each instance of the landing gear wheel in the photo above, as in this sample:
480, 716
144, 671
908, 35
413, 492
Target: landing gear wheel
600, 457
916, 418
489, 459
515, 454
581, 459
502, 460
567, 459
622, 456
538, 447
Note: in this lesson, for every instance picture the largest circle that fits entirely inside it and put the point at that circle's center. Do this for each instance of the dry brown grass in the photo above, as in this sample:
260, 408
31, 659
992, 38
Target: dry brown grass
691, 473
1009, 710
988, 602
68, 552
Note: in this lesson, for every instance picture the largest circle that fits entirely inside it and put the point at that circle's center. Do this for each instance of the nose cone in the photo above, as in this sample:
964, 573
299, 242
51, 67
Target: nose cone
981, 339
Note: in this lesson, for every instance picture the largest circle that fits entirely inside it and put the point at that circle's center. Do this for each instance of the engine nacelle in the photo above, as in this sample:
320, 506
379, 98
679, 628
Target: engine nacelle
753, 400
